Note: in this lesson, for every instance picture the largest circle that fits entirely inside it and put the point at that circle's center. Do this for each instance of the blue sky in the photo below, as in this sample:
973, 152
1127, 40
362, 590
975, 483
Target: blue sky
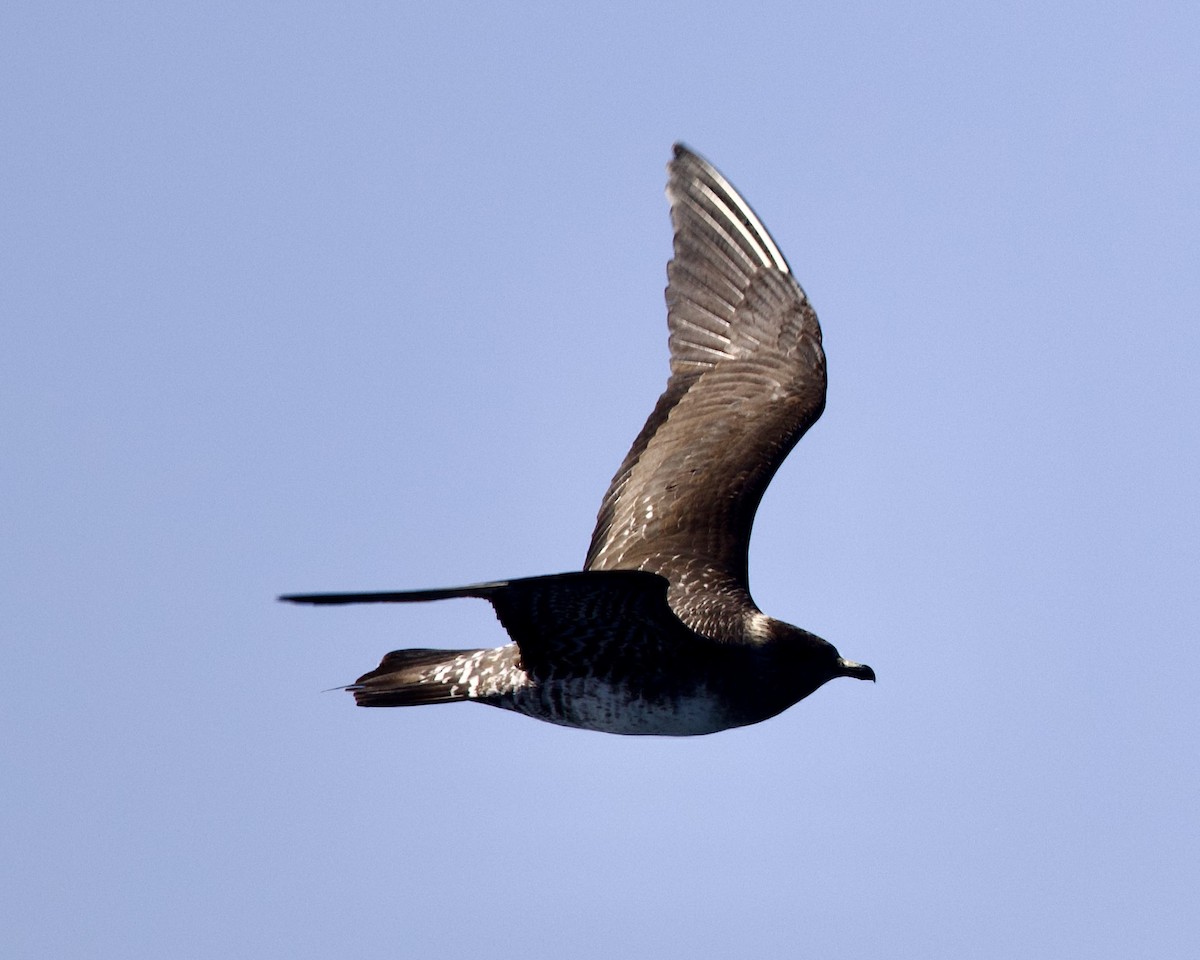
368, 296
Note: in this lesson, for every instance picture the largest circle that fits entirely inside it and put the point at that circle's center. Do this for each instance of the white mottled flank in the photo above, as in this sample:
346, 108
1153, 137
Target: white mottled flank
758, 625
493, 677
482, 672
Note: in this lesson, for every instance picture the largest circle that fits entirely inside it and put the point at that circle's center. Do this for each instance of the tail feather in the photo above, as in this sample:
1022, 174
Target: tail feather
483, 591
409, 678
406, 678
537, 612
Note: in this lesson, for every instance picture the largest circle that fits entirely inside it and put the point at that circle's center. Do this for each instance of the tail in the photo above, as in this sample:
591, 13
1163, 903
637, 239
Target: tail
411, 678
532, 610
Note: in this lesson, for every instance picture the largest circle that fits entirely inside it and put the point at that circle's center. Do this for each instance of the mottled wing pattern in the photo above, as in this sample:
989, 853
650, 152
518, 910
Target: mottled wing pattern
747, 380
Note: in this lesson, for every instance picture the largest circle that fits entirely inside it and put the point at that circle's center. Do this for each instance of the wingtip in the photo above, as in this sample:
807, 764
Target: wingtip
682, 153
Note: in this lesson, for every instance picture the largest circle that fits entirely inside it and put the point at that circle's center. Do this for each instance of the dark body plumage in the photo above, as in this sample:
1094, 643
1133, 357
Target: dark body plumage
659, 634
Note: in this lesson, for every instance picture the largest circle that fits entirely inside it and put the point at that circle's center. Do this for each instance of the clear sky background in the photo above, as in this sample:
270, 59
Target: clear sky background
368, 295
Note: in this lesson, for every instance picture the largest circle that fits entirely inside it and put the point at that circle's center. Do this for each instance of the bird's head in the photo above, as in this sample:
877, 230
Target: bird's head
792, 663
810, 654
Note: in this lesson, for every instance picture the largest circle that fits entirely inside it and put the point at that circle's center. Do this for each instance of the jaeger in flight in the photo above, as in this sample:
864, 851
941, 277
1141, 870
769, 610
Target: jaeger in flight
658, 634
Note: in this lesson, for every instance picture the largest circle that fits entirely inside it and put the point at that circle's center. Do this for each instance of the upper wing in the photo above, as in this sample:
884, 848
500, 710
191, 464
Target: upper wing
615, 624
747, 379
569, 624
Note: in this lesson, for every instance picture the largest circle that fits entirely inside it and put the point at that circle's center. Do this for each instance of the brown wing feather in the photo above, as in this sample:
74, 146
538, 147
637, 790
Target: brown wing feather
747, 380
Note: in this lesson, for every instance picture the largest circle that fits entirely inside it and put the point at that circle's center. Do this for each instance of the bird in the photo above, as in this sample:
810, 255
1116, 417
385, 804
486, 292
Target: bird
658, 634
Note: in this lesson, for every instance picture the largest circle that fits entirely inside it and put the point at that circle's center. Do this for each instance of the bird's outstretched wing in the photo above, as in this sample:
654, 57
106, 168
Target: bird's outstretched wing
569, 624
747, 380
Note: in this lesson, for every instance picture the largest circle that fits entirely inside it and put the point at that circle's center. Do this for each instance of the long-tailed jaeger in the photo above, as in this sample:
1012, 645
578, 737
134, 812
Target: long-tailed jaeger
658, 634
